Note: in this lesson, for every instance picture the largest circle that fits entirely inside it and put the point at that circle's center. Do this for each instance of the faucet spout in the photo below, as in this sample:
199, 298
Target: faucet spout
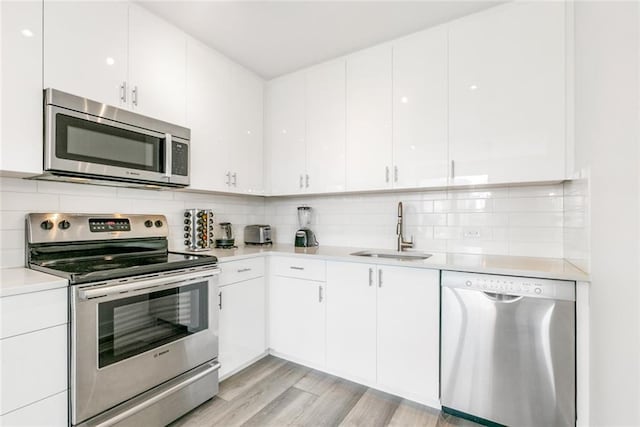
401, 243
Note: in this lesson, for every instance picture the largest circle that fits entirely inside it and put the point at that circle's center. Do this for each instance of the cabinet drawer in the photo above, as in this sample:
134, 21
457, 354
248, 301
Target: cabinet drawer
50, 412
33, 366
33, 311
300, 268
244, 269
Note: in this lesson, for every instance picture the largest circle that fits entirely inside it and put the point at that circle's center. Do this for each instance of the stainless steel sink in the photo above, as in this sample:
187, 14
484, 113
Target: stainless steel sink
401, 256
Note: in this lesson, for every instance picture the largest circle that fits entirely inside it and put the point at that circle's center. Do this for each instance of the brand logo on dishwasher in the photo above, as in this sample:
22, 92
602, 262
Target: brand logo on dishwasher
160, 353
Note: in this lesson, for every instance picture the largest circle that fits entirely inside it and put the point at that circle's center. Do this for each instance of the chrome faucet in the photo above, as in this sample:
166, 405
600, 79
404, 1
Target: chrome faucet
402, 244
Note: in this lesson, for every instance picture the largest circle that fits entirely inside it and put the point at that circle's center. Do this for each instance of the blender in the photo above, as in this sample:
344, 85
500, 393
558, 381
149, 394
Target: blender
304, 236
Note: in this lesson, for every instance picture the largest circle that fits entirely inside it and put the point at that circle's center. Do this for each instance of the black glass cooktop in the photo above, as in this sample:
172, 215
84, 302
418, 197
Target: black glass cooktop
79, 270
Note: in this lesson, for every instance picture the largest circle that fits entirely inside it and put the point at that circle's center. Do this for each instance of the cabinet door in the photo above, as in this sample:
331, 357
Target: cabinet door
369, 119
21, 87
208, 116
325, 97
49, 412
246, 160
351, 320
420, 145
242, 324
285, 134
507, 94
157, 71
297, 319
409, 332
85, 49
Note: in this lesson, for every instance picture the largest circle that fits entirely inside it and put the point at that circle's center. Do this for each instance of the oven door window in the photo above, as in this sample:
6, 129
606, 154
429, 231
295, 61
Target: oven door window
88, 141
134, 325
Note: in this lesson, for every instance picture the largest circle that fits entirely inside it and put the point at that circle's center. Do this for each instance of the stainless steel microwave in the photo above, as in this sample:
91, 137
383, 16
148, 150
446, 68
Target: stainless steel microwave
85, 139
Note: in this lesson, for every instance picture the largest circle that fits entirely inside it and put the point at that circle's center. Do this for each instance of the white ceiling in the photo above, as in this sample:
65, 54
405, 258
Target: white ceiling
276, 37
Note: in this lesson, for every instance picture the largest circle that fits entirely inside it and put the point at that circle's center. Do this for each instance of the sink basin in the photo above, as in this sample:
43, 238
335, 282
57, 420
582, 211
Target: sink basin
401, 256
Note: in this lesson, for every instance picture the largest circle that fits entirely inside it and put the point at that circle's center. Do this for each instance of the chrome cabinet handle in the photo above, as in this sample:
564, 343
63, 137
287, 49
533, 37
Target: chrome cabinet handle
386, 173
228, 175
123, 92
243, 270
395, 174
380, 278
453, 169
235, 179
220, 300
370, 276
167, 155
301, 181
296, 268
134, 96
320, 293
307, 180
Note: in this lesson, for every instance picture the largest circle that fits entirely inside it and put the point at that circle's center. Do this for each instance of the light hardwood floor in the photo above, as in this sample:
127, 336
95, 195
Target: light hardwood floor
275, 392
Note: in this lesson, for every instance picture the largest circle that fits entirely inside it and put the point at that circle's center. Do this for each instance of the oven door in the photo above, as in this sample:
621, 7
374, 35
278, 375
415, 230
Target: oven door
81, 144
129, 336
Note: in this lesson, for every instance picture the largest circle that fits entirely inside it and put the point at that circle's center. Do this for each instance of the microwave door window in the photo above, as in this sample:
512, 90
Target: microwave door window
134, 325
98, 143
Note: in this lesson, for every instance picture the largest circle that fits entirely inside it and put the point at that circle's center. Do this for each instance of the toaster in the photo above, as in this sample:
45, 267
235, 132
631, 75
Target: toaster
257, 234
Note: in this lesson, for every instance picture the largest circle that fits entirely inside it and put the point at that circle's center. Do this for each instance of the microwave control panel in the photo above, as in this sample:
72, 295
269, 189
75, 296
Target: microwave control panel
179, 158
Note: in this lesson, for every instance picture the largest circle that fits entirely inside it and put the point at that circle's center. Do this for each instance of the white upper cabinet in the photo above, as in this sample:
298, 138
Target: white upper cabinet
507, 94
420, 145
285, 134
157, 72
208, 117
21, 87
246, 156
325, 102
85, 49
369, 111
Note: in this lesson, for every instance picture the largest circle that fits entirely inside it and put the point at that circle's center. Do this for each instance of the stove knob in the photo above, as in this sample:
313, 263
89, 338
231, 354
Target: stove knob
46, 225
148, 223
158, 223
64, 224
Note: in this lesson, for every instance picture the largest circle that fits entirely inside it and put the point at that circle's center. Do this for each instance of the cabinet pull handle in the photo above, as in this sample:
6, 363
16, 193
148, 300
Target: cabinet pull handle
220, 300
386, 173
453, 169
300, 181
243, 270
228, 175
296, 268
134, 96
320, 293
123, 92
307, 180
380, 278
235, 179
395, 174
370, 277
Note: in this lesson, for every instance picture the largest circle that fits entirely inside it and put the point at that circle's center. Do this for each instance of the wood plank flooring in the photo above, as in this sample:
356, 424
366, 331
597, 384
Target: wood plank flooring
275, 392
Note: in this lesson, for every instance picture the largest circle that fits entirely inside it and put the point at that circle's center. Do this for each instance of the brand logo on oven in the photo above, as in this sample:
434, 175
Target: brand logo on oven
132, 173
161, 353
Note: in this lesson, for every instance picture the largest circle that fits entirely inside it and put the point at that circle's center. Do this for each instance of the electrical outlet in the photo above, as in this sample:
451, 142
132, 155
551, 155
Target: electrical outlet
471, 234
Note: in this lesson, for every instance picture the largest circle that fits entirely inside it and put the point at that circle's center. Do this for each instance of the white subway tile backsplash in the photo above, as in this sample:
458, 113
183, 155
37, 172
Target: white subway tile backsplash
478, 219
18, 185
534, 204
536, 219
473, 205
32, 202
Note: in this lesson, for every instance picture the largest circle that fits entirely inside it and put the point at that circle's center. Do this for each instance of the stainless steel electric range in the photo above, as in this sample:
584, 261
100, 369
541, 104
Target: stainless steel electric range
144, 330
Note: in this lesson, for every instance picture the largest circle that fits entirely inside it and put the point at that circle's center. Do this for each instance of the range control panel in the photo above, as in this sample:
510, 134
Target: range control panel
110, 224
510, 285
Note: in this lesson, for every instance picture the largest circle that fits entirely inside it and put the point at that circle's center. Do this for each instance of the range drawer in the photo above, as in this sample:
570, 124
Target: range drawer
32, 311
299, 268
243, 269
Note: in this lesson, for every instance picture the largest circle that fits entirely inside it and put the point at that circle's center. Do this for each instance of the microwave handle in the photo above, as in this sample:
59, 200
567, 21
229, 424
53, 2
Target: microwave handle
167, 155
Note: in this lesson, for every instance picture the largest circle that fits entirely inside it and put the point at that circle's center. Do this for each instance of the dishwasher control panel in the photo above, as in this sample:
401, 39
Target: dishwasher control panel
510, 285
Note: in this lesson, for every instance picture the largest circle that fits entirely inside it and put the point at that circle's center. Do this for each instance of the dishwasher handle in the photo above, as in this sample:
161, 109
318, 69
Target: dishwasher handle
502, 298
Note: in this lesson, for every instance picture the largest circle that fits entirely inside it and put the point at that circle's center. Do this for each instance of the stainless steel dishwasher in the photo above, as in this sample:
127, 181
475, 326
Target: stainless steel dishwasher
507, 352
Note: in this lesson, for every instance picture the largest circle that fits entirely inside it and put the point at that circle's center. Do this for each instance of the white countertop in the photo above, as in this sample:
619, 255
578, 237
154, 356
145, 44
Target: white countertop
19, 280
547, 268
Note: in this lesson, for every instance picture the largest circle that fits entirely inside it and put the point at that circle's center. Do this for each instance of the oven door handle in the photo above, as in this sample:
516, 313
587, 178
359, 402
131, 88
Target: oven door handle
214, 366
106, 291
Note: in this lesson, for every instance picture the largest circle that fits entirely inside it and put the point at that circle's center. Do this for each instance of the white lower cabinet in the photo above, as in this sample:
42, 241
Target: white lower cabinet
297, 319
49, 412
242, 317
383, 327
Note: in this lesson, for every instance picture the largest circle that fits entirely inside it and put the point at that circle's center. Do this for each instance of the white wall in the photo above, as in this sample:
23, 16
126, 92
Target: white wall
607, 136
19, 197
576, 224
525, 221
